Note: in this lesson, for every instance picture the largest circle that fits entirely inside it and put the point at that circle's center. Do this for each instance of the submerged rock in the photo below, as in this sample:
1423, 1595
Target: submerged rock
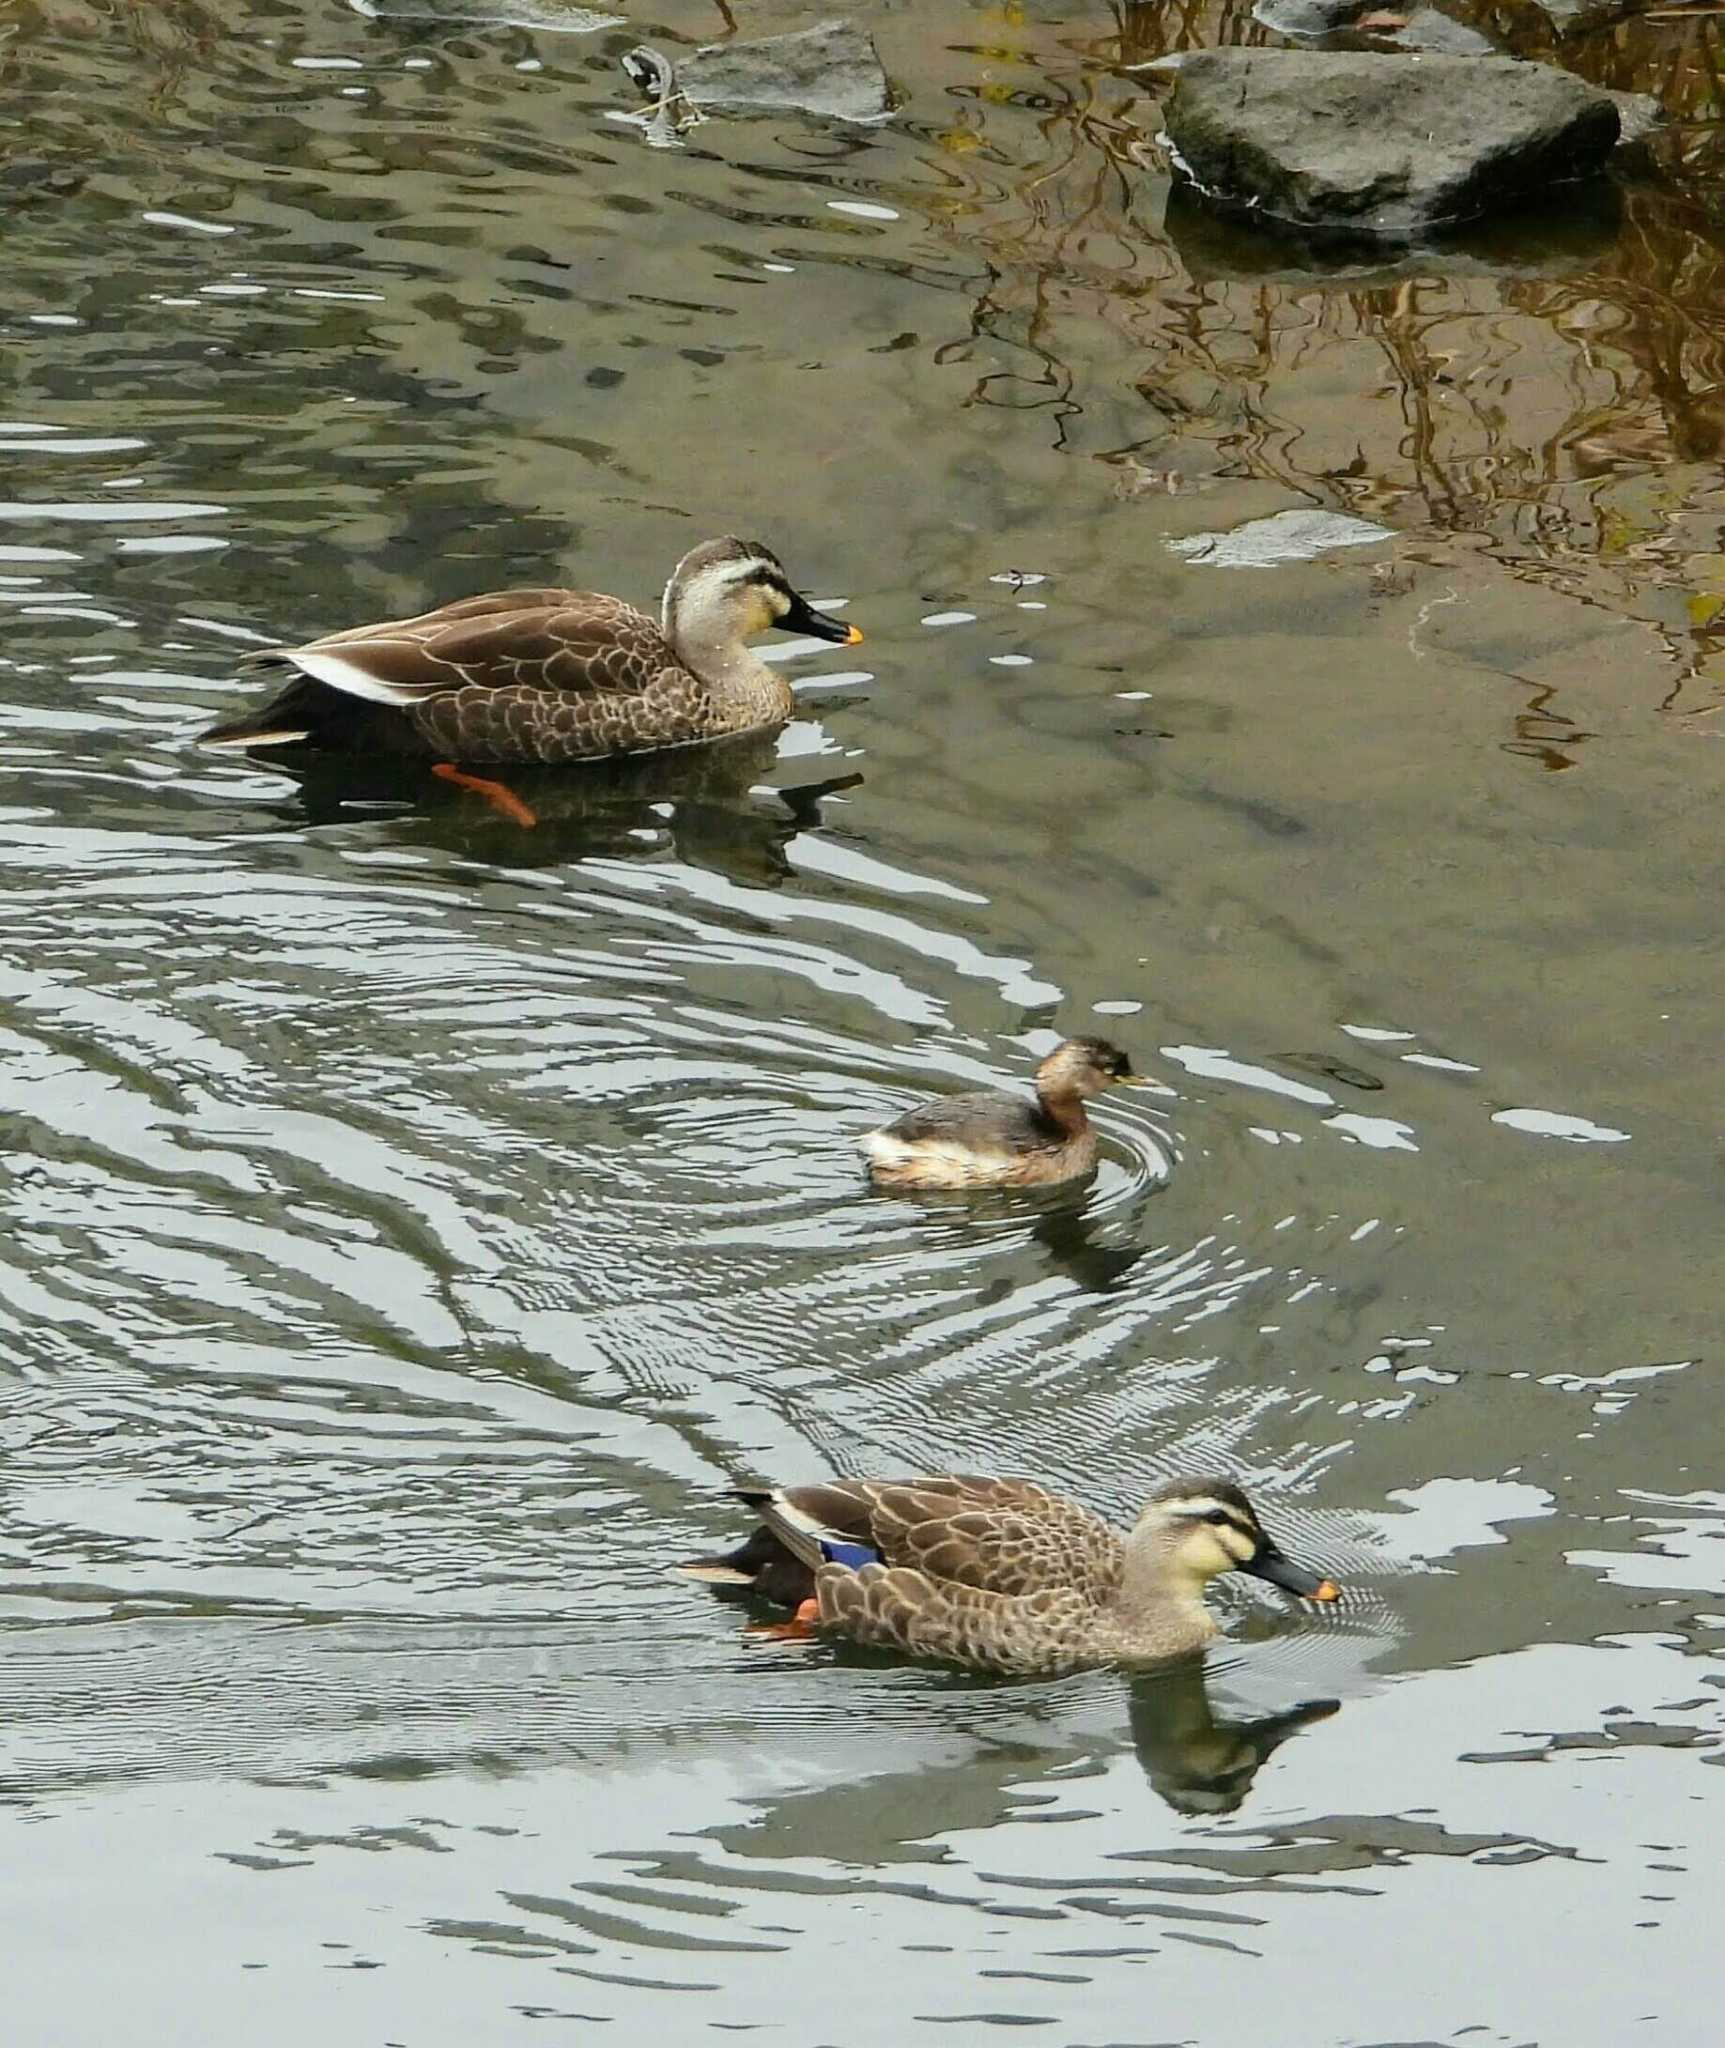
1298, 535
1576, 17
1222, 245
1430, 29
1639, 114
1415, 27
1382, 145
832, 70
34, 178
540, 14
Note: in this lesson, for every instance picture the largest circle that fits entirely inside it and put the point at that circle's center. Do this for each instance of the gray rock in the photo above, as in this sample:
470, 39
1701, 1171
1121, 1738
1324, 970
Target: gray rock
1381, 145
832, 69
1307, 17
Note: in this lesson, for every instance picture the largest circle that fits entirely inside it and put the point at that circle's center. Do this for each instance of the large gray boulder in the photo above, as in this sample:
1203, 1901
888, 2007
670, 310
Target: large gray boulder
1382, 145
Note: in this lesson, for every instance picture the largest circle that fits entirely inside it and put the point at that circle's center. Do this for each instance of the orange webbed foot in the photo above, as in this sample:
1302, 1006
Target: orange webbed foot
497, 794
801, 1628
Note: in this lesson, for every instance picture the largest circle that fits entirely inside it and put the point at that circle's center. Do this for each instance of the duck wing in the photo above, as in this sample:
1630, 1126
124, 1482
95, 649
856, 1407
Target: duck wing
997, 1535
1002, 1536
566, 642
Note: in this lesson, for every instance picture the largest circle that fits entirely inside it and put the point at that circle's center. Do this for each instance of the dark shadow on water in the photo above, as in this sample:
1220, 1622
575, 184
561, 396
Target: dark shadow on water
1221, 244
1068, 1239
703, 806
1062, 1223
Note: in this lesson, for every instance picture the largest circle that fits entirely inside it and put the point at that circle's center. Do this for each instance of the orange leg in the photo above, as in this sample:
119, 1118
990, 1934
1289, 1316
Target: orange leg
801, 1628
496, 794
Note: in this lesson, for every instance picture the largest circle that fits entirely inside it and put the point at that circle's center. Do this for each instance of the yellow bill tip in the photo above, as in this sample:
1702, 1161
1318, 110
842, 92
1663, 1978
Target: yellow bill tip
1326, 1589
852, 635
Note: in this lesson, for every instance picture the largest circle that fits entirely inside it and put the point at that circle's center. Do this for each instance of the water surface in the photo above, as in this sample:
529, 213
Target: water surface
412, 1225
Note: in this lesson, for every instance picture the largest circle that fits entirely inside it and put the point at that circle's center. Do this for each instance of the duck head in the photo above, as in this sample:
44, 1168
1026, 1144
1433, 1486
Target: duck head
1200, 1528
726, 591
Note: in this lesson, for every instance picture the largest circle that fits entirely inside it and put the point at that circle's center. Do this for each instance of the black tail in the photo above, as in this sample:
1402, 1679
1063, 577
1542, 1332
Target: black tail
294, 715
305, 712
761, 1565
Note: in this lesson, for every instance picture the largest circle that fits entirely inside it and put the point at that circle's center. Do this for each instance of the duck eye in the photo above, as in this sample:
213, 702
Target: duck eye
1216, 1517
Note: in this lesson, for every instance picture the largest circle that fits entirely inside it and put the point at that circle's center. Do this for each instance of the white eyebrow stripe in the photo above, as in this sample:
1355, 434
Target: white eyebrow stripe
1206, 1504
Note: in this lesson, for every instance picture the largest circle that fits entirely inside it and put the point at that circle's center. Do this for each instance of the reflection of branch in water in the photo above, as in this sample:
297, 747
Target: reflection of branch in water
1555, 385
1048, 260
1153, 28
1056, 378
1541, 733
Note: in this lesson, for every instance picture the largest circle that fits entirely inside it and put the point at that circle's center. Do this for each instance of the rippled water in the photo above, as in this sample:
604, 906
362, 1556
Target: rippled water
412, 1224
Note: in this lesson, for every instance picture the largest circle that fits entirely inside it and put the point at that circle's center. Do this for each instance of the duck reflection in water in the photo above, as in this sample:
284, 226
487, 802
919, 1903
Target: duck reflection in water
1194, 1761
708, 806
1073, 1236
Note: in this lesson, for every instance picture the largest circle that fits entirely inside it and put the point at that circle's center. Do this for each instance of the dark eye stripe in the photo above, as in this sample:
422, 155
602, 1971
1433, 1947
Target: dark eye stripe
1227, 1520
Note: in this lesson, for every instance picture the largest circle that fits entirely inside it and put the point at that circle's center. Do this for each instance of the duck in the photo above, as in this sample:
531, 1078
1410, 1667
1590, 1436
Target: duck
994, 1139
1002, 1575
545, 676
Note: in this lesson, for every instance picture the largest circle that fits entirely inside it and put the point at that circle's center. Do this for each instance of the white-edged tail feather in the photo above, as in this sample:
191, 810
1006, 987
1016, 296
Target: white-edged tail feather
801, 1534
326, 666
281, 736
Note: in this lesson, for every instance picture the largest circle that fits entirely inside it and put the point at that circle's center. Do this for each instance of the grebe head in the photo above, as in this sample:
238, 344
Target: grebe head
1083, 1066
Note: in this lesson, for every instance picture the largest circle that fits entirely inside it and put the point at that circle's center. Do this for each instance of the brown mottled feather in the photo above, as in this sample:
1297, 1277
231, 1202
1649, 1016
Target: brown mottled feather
895, 1608
1015, 1537
556, 640
975, 1570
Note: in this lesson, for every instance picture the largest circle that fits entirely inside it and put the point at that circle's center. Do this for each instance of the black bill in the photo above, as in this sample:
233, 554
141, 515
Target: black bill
1298, 1579
803, 618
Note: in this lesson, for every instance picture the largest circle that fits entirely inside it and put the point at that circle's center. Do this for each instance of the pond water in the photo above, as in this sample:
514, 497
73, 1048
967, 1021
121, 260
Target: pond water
412, 1224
